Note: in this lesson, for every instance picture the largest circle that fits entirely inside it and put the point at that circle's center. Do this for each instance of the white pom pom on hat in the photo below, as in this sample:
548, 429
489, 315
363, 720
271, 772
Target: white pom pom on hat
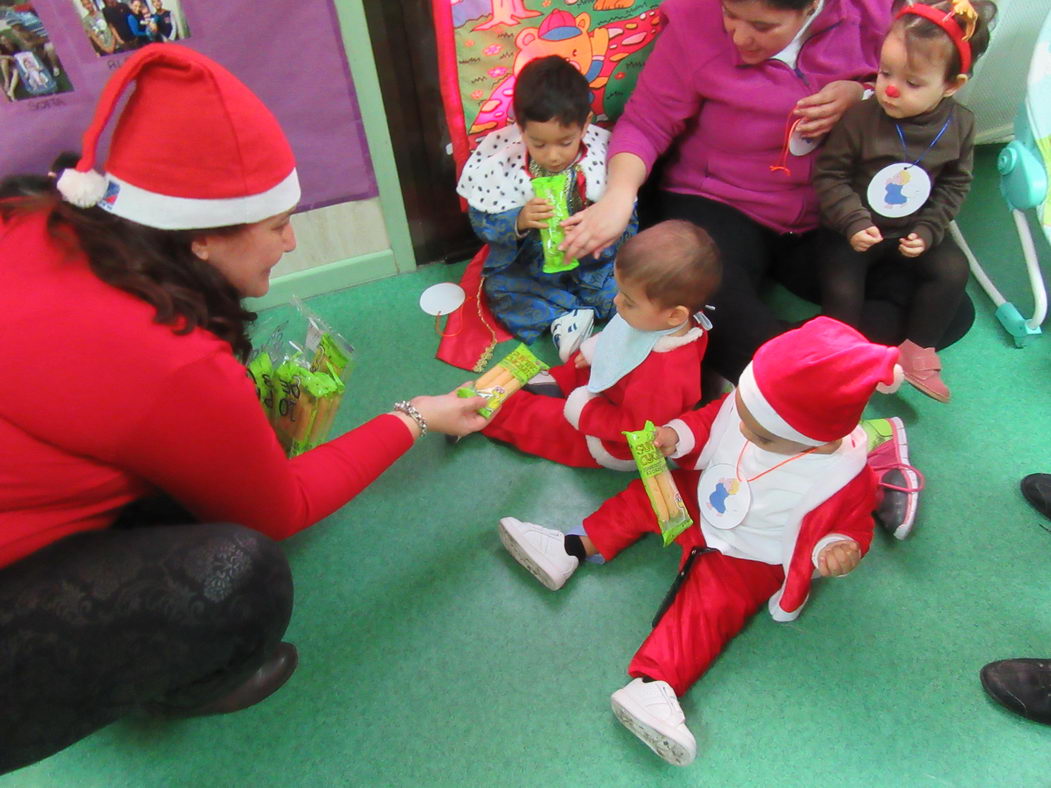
899, 378
83, 189
193, 147
811, 384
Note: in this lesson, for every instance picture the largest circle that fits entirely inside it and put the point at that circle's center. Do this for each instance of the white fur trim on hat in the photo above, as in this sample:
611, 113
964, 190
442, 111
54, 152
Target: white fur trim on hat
165, 212
764, 413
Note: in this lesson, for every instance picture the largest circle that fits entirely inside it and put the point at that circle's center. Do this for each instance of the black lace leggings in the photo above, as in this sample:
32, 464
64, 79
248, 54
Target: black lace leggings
101, 623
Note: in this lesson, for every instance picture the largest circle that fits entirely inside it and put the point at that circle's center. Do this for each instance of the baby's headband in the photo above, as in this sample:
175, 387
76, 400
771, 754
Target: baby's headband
946, 20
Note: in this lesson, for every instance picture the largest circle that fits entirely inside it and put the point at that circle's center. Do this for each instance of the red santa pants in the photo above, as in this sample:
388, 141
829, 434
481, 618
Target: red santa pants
712, 605
536, 424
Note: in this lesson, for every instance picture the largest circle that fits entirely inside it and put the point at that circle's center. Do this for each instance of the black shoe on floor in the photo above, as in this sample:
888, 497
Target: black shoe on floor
1036, 487
544, 385
1021, 685
270, 677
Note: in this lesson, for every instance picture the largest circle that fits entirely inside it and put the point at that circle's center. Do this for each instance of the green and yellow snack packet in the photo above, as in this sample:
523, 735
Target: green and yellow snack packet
667, 504
553, 188
505, 378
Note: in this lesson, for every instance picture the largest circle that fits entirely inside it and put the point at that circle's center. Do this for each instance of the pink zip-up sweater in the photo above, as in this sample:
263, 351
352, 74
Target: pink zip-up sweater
725, 122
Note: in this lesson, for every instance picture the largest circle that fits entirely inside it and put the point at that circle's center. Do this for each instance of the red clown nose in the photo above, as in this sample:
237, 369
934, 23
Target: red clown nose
892, 91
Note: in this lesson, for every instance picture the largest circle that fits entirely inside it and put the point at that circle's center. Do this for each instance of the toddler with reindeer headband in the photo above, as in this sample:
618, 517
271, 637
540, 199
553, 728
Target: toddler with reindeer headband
895, 171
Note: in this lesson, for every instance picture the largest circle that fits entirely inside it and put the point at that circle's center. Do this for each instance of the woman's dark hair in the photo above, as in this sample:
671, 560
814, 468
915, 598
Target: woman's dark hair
157, 266
550, 88
921, 34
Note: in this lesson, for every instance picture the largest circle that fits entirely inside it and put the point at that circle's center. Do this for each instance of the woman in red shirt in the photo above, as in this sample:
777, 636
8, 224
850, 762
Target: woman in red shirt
120, 307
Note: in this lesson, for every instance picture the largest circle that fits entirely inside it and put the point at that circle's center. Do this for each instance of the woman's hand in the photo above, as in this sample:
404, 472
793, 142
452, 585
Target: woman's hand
822, 110
448, 413
597, 226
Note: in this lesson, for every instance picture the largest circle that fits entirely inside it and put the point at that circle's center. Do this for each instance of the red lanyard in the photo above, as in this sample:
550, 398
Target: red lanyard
737, 468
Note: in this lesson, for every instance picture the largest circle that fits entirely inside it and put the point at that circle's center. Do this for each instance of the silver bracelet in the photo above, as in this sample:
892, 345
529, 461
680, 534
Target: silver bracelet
407, 408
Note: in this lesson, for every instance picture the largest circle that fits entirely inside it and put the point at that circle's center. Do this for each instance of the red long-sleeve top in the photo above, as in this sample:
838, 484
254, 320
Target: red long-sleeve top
99, 405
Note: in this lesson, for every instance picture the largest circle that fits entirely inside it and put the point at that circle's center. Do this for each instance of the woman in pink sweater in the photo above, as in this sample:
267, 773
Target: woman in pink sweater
736, 96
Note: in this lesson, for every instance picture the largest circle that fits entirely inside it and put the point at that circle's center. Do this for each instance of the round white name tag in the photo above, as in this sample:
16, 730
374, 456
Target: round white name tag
799, 145
898, 190
442, 298
724, 499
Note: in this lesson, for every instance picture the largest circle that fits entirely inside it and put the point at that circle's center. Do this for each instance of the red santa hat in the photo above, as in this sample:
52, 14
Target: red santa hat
193, 147
811, 384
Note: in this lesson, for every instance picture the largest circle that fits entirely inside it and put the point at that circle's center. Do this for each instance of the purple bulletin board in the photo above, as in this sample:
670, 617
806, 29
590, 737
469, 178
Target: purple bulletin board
55, 56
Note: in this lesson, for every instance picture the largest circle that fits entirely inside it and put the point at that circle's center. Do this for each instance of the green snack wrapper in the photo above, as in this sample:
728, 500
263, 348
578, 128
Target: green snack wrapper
328, 389
553, 189
333, 356
306, 406
288, 392
261, 372
509, 375
667, 504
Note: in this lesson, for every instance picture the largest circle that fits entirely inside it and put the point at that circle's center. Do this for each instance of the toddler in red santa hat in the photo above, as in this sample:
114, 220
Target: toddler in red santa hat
775, 479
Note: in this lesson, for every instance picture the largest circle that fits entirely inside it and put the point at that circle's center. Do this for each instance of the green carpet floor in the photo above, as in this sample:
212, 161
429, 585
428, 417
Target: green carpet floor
429, 657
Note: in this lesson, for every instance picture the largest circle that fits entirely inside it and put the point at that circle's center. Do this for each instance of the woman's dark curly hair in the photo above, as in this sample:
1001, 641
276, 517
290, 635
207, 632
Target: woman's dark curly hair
157, 266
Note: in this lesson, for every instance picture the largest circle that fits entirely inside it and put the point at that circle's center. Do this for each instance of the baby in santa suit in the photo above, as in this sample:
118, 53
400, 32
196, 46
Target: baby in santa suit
774, 476
645, 365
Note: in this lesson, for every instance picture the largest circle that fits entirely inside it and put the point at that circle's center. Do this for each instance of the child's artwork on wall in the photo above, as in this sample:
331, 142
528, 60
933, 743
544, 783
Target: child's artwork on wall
483, 44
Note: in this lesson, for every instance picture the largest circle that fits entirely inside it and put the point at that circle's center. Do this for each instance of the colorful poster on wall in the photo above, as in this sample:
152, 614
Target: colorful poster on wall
56, 55
483, 44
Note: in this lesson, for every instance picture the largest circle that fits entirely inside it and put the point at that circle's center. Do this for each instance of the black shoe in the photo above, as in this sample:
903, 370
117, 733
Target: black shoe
270, 677
1036, 487
1021, 685
543, 385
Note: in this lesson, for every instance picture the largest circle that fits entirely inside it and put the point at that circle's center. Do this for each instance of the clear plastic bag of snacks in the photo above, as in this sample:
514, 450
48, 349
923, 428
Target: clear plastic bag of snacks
300, 371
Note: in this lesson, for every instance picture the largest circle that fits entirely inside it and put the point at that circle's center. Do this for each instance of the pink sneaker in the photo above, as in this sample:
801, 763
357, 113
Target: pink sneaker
922, 369
899, 483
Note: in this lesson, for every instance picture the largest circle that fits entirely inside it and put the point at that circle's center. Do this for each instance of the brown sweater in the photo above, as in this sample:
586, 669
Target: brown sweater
865, 141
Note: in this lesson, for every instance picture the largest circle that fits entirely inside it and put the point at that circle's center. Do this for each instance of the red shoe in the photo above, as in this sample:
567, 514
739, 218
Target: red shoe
923, 369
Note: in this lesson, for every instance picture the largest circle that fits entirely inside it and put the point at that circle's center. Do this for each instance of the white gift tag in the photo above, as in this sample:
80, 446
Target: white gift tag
798, 145
723, 499
898, 190
442, 298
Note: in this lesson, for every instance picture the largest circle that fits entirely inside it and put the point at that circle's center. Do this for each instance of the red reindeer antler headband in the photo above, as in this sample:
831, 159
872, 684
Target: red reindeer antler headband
946, 20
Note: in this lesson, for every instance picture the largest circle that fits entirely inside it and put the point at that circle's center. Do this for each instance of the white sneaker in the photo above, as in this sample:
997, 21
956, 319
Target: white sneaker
650, 710
540, 550
570, 330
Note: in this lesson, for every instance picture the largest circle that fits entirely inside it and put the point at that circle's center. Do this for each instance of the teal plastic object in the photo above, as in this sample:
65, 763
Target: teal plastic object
1023, 180
1011, 319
